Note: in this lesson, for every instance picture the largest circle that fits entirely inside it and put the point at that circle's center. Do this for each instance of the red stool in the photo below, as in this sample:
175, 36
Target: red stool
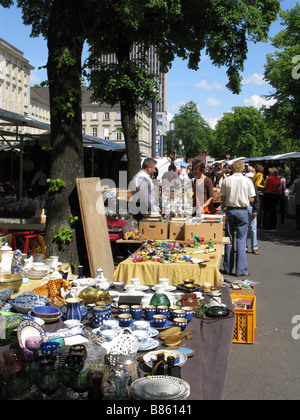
25, 236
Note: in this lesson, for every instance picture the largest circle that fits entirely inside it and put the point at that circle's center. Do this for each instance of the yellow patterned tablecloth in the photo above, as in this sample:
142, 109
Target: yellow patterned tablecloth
150, 272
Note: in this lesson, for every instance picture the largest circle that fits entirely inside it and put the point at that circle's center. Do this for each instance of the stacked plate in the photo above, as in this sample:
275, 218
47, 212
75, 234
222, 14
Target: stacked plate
37, 274
160, 388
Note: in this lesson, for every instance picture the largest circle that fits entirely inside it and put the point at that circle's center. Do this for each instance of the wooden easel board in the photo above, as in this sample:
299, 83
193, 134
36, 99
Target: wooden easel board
95, 226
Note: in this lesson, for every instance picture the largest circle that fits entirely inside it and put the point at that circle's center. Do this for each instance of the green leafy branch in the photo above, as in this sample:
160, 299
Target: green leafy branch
65, 234
56, 185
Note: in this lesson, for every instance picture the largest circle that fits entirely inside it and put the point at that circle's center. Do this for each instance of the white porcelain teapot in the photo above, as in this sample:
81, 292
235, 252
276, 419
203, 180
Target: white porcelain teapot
6, 253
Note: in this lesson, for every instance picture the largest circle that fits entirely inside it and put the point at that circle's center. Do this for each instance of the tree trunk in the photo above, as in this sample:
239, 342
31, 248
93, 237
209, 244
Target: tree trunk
128, 115
65, 44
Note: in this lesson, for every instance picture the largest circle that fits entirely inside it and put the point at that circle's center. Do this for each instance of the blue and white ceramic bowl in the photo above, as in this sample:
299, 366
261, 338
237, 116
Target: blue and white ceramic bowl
159, 320
180, 322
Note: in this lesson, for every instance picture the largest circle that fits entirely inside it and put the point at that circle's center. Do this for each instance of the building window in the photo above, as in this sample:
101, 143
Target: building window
119, 133
106, 133
106, 116
94, 116
83, 116
95, 131
118, 116
83, 130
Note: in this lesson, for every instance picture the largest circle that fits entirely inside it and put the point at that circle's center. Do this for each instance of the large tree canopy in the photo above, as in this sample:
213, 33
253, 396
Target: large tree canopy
192, 129
218, 28
282, 71
184, 28
242, 132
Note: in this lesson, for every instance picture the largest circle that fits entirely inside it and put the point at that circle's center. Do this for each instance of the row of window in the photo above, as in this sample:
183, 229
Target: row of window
118, 132
106, 116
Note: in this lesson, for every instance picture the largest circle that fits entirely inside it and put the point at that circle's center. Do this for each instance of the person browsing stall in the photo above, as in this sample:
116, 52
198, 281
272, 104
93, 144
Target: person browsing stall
237, 192
143, 191
203, 190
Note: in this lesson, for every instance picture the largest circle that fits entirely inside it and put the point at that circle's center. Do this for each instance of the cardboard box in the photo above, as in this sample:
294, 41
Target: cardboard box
154, 230
176, 231
209, 230
244, 292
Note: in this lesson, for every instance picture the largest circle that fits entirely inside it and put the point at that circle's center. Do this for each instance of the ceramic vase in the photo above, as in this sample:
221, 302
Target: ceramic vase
16, 265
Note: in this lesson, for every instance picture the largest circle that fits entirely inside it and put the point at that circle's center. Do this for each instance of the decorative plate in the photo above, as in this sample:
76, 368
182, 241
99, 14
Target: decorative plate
160, 388
28, 328
167, 288
167, 325
149, 356
72, 336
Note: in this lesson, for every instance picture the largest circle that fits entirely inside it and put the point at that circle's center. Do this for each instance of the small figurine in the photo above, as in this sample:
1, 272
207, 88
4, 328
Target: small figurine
52, 289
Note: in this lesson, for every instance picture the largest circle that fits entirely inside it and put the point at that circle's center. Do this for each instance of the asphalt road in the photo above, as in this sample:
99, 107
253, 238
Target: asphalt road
269, 369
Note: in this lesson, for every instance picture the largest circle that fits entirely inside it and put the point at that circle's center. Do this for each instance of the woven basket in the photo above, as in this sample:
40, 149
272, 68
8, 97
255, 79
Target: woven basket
124, 344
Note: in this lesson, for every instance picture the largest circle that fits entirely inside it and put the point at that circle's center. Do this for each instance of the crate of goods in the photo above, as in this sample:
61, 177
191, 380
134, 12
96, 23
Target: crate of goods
154, 230
245, 309
210, 230
176, 230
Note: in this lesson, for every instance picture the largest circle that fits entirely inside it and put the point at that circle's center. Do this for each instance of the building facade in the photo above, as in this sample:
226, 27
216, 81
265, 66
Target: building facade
102, 121
14, 80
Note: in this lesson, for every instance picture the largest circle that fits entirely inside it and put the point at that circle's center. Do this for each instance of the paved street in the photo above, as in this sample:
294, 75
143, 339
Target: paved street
270, 368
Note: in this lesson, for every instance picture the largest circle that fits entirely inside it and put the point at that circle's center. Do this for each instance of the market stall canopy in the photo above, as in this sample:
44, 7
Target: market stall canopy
12, 119
16, 140
291, 155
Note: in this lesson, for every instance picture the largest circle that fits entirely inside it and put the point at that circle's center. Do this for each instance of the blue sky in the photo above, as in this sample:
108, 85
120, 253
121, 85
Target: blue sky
206, 87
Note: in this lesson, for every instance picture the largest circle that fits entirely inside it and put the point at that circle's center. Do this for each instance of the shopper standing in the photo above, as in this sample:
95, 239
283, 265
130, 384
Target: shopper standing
295, 189
237, 192
272, 185
259, 180
143, 191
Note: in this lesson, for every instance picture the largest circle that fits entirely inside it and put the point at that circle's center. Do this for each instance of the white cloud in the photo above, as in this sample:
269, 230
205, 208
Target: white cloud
175, 107
206, 86
256, 79
34, 79
213, 102
258, 101
212, 121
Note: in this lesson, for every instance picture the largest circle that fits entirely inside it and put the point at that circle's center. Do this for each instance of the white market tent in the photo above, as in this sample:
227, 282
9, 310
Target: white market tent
284, 156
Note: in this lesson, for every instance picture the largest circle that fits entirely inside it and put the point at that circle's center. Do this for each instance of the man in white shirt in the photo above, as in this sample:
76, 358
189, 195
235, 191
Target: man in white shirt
143, 191
237, 192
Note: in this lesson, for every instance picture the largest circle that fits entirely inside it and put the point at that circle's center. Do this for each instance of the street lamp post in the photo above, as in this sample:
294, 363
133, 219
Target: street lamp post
172, 131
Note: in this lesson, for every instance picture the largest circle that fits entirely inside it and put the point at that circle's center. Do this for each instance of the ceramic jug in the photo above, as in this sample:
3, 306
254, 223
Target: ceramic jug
75, 309
6, 253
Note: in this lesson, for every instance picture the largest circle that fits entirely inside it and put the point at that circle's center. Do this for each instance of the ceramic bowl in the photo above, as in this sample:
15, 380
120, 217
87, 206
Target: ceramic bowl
46, 311
125, 320
180, 322
11, 281
159, 320
188, 312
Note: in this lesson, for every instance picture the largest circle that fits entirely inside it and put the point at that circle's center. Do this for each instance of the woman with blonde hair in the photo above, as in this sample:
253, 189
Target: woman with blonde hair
259, 180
